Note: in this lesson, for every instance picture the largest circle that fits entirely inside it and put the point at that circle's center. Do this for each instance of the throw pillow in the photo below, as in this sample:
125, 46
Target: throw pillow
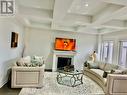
27, 59
37, 61
116, 72
105, 74
20, 62
26, 62
85, 64
93, 65
124, 71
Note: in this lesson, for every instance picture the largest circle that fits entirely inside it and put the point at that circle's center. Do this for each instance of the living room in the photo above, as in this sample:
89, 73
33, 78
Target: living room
95, 25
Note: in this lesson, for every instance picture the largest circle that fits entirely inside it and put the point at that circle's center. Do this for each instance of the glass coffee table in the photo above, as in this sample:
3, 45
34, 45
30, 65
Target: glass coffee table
71, 78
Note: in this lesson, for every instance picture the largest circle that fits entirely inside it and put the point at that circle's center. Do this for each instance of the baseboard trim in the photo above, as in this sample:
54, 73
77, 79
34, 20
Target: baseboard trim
3, 83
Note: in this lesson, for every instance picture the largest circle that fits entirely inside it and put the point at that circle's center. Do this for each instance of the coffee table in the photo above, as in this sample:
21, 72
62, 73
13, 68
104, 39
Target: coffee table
71, 78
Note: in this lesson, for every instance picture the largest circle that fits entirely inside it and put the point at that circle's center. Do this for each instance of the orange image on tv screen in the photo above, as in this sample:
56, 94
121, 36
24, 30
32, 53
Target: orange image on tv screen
65, 44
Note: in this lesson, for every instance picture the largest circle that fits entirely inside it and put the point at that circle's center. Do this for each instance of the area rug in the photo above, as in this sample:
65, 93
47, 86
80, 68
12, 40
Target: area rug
51, 87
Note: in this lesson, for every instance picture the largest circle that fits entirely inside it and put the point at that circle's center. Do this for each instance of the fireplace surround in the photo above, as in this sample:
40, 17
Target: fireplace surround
63, 54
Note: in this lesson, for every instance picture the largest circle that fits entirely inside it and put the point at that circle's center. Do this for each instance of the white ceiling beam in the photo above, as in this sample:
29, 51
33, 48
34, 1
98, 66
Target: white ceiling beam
36, 25
60, 8
106, 32
118, 24
63, 27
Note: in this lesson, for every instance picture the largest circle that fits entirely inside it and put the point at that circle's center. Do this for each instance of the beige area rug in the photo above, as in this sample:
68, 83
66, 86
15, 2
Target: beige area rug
51, 87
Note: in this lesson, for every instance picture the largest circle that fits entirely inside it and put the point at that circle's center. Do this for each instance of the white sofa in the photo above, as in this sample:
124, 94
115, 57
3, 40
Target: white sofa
113, 84
22, 76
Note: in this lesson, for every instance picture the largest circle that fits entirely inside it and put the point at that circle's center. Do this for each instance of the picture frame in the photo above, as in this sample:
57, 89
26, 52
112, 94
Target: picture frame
14, 40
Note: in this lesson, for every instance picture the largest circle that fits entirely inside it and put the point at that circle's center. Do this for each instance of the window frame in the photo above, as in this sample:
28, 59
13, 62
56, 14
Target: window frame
120, 56
102, 54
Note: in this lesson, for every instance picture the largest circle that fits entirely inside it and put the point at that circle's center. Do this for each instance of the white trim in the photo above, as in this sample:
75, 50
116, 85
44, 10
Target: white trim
57, 54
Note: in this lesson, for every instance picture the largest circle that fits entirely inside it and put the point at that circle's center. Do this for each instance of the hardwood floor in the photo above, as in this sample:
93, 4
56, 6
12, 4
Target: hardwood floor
7, 90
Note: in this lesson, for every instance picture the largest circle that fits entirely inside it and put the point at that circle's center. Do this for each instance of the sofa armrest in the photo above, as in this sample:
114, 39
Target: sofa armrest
116, 84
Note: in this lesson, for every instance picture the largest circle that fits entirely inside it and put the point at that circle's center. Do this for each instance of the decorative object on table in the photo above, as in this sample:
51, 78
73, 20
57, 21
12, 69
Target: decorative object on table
69, 68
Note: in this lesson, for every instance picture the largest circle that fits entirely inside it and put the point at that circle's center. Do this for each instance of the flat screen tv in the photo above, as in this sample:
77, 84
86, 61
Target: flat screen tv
65, 44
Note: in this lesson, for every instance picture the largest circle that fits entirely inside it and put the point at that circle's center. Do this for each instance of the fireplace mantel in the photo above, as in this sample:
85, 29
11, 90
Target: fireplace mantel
57, 54
64, 52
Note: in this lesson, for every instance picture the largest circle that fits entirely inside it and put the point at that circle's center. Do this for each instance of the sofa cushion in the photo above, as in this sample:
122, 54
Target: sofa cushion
98, 71
101, 65
109, 67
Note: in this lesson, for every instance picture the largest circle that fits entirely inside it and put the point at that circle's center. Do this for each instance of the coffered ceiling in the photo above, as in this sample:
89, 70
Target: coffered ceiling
86, 16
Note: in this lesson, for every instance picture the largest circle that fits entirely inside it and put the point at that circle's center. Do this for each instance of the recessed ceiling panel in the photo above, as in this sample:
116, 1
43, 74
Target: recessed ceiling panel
86, 7
44, 4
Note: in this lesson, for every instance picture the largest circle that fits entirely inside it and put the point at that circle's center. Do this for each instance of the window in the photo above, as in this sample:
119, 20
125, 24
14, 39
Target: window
123, 53
107, 51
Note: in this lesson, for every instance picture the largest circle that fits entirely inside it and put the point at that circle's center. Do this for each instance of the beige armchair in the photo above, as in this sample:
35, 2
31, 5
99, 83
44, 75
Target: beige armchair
116, 84
27, 76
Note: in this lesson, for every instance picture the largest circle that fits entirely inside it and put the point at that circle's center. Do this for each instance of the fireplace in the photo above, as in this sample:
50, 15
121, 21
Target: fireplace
63, 61
62, 58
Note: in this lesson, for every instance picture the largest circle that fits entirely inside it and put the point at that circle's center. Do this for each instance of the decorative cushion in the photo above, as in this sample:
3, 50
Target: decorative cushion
92, 64
37, 61
124, 71
116, 71
119, 71
20, 62
85, 64
30, 61
105, 74
27, 59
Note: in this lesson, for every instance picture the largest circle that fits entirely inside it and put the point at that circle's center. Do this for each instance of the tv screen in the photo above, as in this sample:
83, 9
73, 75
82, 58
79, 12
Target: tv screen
65, 44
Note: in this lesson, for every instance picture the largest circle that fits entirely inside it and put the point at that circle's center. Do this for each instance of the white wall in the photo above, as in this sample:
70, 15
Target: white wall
40, 42
8, 54
115, 37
